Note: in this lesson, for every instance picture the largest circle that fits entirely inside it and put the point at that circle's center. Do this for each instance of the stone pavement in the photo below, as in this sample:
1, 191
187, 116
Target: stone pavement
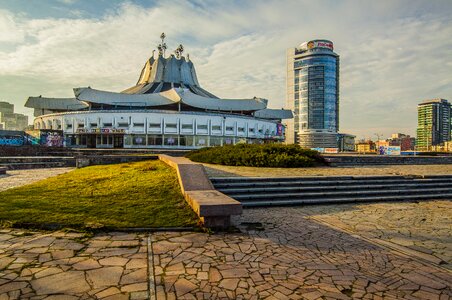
422, 227
16, 178
63, 265
280, 253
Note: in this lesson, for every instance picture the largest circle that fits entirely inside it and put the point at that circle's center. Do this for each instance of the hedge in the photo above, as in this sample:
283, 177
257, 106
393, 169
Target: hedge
267, 155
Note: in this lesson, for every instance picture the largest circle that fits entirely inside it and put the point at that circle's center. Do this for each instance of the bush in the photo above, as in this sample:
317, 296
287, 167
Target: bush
268, 155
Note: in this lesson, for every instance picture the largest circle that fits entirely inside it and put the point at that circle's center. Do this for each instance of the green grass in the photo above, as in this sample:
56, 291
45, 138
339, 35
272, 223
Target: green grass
267, 155
141, 194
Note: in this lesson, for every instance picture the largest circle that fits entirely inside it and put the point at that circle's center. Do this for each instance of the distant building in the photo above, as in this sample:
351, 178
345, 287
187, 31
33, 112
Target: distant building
346, 142
313, 94
365, 147
434, 123
405, 141
10, 120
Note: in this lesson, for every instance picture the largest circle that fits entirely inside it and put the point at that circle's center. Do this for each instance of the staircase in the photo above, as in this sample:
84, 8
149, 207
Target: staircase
260, 191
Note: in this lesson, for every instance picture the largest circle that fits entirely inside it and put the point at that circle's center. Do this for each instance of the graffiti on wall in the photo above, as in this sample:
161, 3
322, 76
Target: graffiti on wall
52, 139
11, 141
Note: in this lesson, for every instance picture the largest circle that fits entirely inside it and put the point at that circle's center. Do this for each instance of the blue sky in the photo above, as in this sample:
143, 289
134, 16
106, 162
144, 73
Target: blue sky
394, 54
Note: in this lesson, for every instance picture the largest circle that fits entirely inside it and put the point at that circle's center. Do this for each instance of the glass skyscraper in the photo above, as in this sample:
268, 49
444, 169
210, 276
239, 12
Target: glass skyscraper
434, 123
313, 94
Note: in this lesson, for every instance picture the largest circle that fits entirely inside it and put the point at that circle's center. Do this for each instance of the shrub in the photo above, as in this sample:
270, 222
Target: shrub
268, 155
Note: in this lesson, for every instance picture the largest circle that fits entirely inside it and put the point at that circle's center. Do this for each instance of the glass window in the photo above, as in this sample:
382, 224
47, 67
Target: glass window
187, 126
228, 141
187, 140
139, 140
216, 141
202, 127
229, 128
171, 125
155, 125
107, 124
201, 141
155, 139
216, 127
171, 140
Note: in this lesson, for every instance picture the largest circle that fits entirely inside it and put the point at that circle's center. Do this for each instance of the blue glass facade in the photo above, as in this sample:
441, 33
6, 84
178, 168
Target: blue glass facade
316, 91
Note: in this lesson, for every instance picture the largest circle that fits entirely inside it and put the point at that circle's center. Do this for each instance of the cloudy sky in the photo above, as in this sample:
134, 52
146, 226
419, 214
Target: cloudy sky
394, 54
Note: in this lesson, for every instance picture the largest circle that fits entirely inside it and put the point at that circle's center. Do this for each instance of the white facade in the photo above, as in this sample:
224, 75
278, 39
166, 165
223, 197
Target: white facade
154, 129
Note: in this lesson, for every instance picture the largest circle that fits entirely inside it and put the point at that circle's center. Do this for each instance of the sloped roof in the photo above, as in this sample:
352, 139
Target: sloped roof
55, 103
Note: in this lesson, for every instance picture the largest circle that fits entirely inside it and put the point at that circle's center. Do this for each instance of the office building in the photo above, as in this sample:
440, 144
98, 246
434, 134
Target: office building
10, 120
313, 95
434, 124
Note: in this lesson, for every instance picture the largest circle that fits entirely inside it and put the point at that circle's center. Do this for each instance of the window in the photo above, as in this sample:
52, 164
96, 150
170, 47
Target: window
171, 126
216, 127
154, 125
107, 124
93, 125
123, 124
229, 128
139, 140
187, 140
241, 129
171, 140
81, 125
68, 126
187, 126
155, 140
251, 130
138, 124
202, 127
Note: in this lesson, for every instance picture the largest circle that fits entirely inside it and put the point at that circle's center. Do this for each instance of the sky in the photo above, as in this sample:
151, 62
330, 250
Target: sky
393, 54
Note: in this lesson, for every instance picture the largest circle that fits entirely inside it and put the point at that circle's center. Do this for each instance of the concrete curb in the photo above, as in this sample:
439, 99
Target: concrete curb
213, 208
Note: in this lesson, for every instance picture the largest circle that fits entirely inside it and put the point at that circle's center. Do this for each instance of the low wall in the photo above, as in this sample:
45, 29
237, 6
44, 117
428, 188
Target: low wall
91, 160
212, 207
354, 160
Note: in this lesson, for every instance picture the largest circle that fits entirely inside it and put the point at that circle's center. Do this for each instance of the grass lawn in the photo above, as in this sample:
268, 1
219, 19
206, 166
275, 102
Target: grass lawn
141, 194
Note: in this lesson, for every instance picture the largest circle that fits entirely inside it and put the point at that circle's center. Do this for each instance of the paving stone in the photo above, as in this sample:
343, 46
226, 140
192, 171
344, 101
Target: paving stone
135, 287
229, 284
113, 261
183, 286
135, 276
108, 292
107, 276
87, 264
71, 282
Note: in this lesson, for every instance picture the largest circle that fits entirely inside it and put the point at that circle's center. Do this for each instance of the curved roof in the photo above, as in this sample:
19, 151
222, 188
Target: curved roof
103, 97
55, 103
273, 114
169, 97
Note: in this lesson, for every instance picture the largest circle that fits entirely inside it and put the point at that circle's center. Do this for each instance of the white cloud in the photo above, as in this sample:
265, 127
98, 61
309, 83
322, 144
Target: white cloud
393, 55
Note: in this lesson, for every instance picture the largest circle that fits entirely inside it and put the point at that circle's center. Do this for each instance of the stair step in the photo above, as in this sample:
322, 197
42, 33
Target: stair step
284, 189
294, 202
275, 196
325, 183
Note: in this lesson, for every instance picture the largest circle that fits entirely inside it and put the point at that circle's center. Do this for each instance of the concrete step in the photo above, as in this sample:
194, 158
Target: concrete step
306, 183
289, 189
294, 202
325, 178
338, 194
